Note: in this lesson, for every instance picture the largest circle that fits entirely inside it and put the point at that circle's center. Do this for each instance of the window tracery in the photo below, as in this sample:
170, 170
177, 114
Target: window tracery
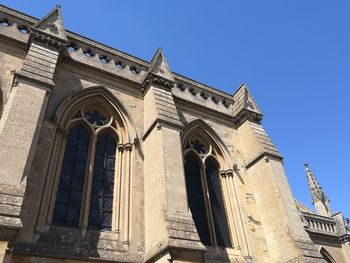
92, 194
204, 192
86, 181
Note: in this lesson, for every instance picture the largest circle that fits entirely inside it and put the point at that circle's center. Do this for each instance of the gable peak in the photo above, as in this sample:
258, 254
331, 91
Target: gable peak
52, 24
244, 100
159, 65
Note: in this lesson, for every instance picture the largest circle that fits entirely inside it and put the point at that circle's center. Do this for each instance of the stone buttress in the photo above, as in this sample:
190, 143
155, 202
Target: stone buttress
169, 228
275, 202
22, 118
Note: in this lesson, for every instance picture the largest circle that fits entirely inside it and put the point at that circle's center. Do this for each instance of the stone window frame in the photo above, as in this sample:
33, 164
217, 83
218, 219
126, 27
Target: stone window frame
200, 129
68, 115
326, 255
79, 119
201, 158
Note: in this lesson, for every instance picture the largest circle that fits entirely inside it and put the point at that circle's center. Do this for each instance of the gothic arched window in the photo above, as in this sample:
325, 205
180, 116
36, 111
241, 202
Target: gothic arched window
204, 193
86, 184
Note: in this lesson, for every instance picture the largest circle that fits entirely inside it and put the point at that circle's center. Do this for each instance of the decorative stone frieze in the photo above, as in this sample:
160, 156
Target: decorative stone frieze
46, 40
153, 79
247, 115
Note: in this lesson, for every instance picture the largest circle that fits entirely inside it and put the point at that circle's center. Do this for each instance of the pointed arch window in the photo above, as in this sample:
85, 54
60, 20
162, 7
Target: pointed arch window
204, 192
85, 190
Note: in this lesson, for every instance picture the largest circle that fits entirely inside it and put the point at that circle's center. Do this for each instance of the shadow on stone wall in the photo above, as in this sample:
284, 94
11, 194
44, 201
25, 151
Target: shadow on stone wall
70, 243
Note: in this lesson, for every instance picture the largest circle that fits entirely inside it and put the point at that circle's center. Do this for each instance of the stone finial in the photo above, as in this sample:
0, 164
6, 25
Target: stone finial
318, 196
159, 72
245, 107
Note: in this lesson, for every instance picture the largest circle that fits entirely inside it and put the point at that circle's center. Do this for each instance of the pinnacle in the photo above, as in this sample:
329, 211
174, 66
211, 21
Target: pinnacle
52, 24
159, 65
244, 100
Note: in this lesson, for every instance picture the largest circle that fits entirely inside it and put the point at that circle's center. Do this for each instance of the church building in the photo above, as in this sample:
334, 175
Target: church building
106, 157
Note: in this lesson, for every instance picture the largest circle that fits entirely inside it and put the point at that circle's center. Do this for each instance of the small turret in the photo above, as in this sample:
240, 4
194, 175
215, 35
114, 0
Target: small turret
318, 196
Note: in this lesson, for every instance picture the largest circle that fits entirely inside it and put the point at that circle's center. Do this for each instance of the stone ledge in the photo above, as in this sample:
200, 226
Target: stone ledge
10, 222
71, 244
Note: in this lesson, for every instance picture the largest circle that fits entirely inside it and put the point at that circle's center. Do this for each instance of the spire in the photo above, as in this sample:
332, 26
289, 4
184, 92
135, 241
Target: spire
52, 24
245, 107
318, 196
159, 72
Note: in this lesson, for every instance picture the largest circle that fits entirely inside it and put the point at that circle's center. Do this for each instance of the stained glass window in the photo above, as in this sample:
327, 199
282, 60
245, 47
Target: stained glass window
71, 184
101, 201
217, 204
95, 117
196, 198
198, 146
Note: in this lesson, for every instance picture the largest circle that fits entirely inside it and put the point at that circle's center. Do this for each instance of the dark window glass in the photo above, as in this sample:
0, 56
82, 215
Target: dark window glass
71, 184
196, 198
101, 202
198, 146
217, 204
95, 117
326, 256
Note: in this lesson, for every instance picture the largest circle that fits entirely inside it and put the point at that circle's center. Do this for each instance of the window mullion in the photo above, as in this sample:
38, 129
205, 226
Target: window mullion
85, 206
117, 189
59, 155
208, 209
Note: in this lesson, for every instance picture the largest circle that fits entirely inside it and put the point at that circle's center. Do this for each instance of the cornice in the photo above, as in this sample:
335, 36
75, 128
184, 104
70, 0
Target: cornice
155, 79
247, 115
74, 37
223, 101
47, 40
179, 78
197, 108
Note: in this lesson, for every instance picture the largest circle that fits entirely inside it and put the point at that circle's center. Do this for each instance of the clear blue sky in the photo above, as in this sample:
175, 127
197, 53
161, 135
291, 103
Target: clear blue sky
294, 56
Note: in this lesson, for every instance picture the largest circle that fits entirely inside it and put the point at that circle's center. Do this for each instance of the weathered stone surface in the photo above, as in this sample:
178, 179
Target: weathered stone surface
154, 115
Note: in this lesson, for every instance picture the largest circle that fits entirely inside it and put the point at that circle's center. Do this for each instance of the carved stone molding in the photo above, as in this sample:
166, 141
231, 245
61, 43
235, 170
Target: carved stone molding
157, 80
46, 39
226, 173
128, 147
125, 147
245, 115
121, 147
